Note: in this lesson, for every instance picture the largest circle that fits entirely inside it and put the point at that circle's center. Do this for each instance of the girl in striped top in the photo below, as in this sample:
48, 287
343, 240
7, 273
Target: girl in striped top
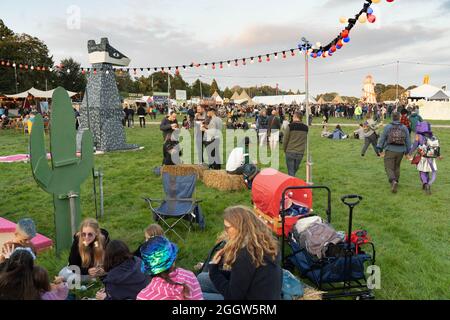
168, 282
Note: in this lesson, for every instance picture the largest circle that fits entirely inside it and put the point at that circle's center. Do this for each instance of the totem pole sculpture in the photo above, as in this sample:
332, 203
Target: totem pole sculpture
64, 178
101, 110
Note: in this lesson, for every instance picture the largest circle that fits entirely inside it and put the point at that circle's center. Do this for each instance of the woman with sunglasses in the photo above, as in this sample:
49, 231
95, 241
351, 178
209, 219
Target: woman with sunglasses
248, 266
88, 251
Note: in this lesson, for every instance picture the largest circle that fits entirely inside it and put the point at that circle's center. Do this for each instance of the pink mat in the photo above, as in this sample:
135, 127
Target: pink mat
26, 157
40, 242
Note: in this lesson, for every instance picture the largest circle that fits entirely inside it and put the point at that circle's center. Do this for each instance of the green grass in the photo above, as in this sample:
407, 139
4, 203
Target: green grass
410, 230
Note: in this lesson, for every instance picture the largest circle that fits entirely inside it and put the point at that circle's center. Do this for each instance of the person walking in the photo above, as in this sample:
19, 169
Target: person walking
370, 136
294, 145
395, 142
428, 150
274, 130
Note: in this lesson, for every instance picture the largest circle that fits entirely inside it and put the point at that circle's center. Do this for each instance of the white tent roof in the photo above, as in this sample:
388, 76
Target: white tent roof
427, 91
289, 99
37, 94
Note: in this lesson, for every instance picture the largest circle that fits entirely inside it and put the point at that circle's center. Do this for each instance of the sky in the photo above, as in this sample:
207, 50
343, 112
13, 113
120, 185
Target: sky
178, 32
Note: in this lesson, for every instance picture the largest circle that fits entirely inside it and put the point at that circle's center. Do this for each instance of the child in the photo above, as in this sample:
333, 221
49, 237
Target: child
152, 231
168, 282
359, 134
428, 149
25, 231
58, 290
370, 136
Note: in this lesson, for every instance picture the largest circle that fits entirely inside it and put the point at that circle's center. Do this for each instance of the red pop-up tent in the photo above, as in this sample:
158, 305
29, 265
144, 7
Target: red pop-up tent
267, 191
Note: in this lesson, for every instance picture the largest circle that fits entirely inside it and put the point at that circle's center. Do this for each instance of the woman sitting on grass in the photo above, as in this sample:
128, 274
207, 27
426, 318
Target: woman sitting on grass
247, 268
58, 290
16, 276
152, 231
168, 282
87, 252
124, 279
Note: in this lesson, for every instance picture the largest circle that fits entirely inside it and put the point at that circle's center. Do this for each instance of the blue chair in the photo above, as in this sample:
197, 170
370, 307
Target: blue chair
179, 204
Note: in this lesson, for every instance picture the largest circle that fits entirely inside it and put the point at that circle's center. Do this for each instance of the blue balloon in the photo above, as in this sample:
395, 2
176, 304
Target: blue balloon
319, 53
347, 39
312, 55
369, 11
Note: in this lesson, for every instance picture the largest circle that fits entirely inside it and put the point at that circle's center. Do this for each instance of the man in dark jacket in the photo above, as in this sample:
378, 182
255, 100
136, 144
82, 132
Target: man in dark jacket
141, 114
295, 139
171, 145
396, 142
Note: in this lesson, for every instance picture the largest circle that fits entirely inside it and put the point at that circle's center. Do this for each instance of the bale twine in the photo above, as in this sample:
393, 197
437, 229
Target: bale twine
312, 294
184, 170
222, 181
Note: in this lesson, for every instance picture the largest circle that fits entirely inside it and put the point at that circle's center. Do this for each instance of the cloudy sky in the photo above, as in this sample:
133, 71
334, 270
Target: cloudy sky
176, 32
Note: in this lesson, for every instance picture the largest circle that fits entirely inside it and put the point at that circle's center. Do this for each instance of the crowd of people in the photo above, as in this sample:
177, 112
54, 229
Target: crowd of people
247, 266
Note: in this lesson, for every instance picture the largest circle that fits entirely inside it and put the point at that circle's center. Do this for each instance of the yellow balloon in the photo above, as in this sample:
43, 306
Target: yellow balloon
362, 18
343, 20
376, 1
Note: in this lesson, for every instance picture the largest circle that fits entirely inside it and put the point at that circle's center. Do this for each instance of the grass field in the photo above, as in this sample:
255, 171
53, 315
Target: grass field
410, 230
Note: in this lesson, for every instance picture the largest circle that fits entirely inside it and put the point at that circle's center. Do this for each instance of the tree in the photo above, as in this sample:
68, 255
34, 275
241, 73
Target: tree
214, 88
23, 50
227, 93
73, 80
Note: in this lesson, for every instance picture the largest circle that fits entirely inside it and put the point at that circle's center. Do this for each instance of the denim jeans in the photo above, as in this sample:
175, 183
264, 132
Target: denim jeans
208, 289
293, 161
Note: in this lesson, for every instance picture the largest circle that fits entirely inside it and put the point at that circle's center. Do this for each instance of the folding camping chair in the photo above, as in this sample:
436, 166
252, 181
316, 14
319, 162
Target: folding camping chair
179, 204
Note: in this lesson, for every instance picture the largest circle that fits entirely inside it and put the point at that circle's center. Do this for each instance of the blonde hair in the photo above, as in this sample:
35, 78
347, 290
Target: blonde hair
87, 253
252, 234
154, 230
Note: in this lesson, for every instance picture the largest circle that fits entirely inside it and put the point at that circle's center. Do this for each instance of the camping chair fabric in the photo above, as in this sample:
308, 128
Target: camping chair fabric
179, 202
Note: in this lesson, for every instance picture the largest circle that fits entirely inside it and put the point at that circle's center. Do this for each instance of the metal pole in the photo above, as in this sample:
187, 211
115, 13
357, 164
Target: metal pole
201, 92
101, 192
73, 210
398, 79
15, 77
308, 154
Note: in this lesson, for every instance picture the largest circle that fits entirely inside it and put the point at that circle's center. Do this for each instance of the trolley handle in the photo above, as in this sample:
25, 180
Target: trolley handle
352, 200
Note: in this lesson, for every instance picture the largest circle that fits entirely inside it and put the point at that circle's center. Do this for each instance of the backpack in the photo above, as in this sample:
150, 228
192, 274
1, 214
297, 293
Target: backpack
397, 136
433, 149
292, 288
316, 238
249, 171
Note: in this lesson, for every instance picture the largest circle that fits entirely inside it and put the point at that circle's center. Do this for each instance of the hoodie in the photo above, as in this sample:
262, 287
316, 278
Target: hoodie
125, 281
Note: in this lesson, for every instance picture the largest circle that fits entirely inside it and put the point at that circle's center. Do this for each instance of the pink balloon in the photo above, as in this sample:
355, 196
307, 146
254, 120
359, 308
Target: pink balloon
371, 18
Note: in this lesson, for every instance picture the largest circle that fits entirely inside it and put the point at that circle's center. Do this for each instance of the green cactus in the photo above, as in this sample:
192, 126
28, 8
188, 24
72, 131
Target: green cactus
68, 172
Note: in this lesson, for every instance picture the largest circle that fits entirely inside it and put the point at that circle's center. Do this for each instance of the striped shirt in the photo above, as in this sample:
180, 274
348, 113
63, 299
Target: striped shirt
159, 289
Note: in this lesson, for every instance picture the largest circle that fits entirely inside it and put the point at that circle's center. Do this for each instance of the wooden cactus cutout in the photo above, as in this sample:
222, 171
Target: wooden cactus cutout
68, 172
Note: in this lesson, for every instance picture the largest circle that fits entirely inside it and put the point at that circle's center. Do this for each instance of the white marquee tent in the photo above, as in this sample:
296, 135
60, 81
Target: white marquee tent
429, 93
37, 94
288, 99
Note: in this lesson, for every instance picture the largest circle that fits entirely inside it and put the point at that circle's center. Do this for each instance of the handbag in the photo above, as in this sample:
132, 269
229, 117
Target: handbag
416, 160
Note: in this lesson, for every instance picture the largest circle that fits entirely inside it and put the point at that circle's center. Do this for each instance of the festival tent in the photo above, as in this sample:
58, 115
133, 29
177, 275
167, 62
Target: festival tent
235, 96
37, 94
321, 101
244, 96
217, 97
283, 99
429, 93
337, 100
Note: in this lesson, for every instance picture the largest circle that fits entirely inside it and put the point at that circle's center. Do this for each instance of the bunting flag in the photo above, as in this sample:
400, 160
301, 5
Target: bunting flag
315, 51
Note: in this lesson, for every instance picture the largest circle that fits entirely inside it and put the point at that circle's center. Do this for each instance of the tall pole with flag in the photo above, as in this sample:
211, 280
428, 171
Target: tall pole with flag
305, 46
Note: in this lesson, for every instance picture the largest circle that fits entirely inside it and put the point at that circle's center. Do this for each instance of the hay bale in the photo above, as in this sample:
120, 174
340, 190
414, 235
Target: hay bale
222, 181
184, 170
312, 294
